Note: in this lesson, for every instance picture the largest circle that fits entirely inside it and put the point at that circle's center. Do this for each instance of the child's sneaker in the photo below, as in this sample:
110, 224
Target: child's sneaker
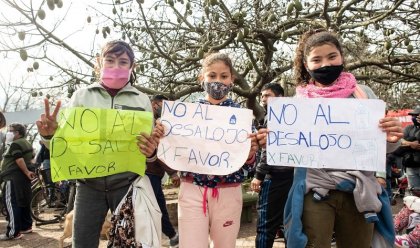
18, 236
174, 241
4, 237
403, 241
29, 230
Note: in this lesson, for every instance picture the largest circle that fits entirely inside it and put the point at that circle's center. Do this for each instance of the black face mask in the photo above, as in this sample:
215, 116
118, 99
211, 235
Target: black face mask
326, 75
415, 122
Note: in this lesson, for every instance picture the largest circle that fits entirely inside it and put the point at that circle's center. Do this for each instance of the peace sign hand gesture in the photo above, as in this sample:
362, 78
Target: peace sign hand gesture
47, 124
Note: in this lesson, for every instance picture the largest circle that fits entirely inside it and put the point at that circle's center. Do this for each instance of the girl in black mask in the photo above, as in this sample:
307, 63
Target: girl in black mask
318, 68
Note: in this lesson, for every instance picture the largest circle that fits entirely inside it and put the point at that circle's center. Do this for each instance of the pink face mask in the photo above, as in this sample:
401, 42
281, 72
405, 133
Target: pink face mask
115, 78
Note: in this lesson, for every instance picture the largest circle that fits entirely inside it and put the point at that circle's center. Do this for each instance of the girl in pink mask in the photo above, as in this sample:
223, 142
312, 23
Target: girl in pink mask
95, 196
116, 67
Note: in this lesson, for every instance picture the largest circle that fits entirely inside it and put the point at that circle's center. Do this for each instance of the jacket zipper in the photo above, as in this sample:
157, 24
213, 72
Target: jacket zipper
105, 178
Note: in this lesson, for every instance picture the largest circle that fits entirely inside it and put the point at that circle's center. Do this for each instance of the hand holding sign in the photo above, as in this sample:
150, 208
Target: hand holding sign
158, 131
146, 144
262, 137
254, 145
393, 128
48, 123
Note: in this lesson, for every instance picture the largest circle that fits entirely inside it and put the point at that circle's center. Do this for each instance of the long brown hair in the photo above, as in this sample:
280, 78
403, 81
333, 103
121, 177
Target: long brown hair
119, 47
309, 40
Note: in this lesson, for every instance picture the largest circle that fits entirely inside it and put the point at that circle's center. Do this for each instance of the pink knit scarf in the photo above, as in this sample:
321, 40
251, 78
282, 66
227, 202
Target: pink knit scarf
343, 87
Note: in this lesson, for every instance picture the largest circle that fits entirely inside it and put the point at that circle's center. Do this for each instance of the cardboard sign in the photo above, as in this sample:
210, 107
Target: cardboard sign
93, 142
204, 138
326, 133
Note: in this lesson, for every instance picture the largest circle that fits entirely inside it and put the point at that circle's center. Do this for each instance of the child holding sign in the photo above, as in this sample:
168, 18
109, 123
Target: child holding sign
210, 204
310, 216
95, 196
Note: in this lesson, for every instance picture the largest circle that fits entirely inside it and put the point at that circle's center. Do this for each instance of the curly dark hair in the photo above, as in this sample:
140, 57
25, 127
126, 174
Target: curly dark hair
309, 40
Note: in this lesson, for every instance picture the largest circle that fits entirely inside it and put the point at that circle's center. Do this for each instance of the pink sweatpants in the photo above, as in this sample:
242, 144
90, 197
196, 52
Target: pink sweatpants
222, 219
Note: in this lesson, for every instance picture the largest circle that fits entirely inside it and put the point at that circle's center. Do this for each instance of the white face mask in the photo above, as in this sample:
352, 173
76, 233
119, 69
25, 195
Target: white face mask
9, 137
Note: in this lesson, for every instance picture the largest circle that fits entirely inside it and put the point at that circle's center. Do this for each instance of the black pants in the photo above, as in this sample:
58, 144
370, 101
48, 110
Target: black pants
270, 208
46, 175
18, 216
156, 183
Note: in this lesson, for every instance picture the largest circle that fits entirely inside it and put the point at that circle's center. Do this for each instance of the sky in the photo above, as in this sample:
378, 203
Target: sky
73, 28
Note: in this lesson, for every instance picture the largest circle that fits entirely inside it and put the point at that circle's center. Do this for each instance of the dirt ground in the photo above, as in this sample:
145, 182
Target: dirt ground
47, 236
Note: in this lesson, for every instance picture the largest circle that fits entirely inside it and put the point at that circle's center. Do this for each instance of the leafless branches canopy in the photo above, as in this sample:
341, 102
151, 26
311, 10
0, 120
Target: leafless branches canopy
170, 37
